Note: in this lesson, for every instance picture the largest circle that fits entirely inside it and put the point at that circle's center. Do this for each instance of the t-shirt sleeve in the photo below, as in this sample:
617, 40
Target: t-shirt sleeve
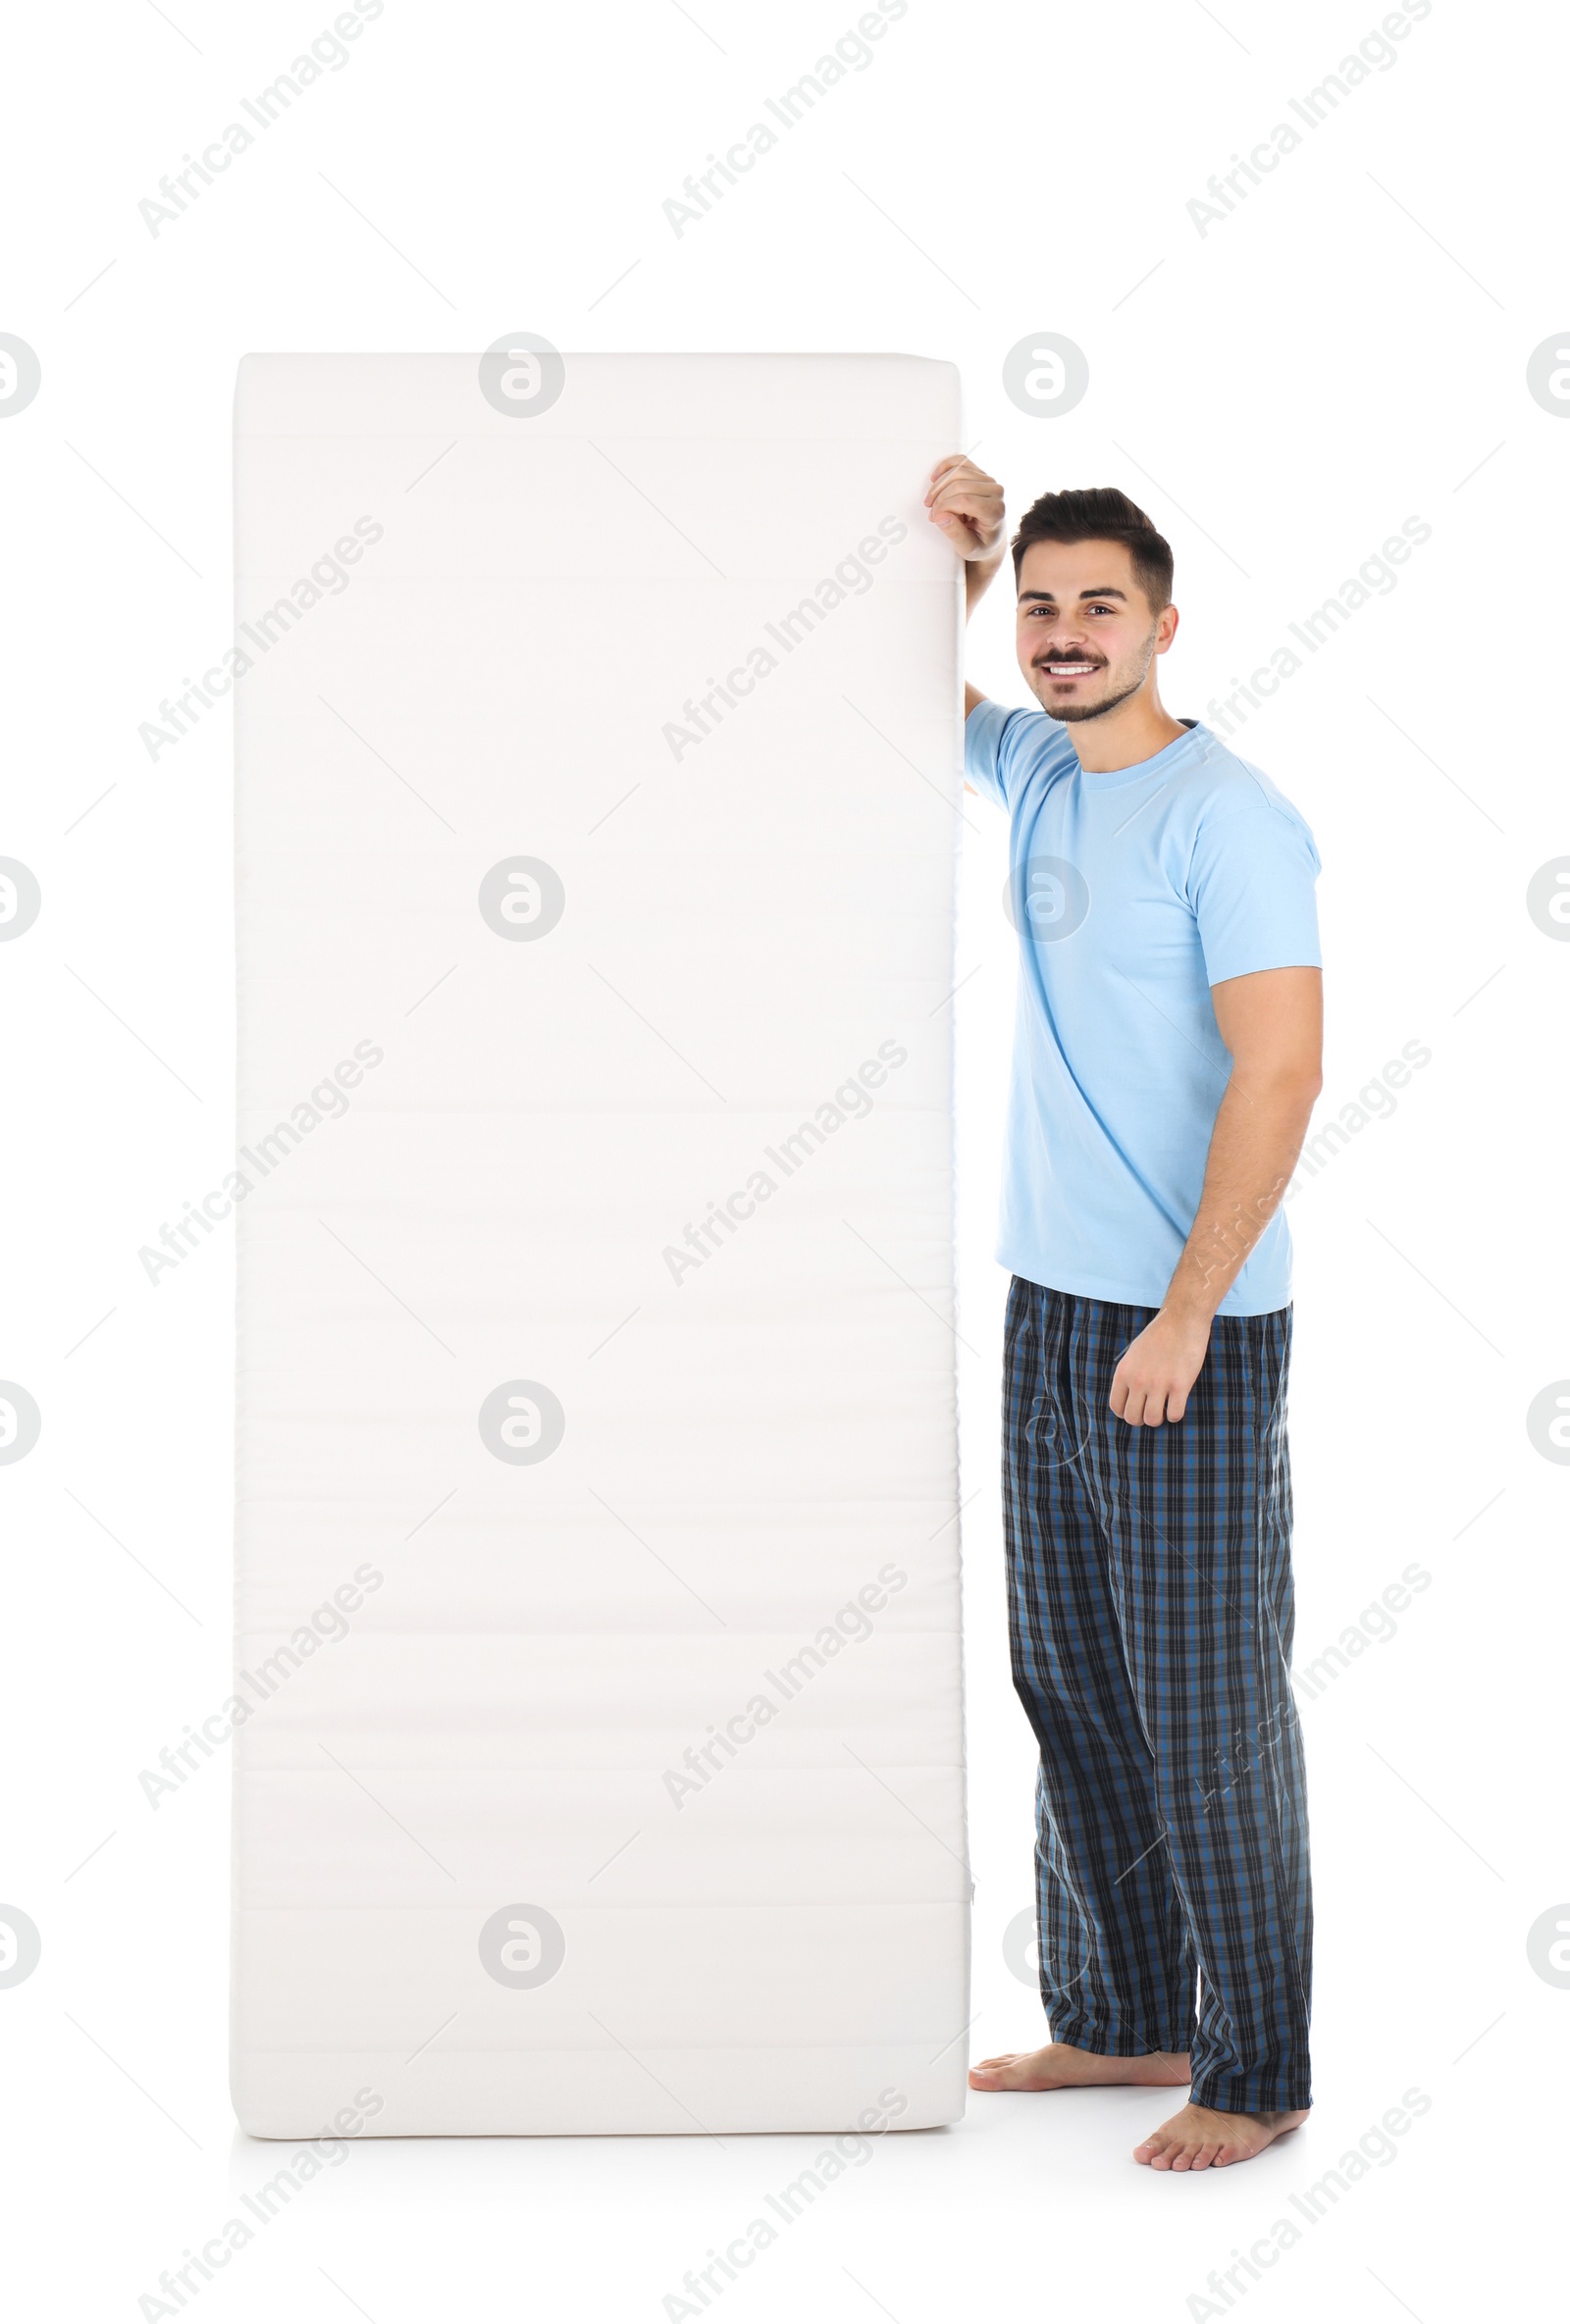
1251, 885
996, 749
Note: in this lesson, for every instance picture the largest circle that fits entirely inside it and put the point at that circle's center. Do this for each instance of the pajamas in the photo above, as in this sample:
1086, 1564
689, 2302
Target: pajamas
1150, 1598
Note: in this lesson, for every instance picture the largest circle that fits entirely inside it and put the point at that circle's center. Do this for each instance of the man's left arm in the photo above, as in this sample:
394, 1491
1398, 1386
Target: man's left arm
1271, 1023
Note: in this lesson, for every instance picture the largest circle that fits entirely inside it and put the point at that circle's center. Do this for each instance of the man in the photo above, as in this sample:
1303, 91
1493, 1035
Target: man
1167, 1060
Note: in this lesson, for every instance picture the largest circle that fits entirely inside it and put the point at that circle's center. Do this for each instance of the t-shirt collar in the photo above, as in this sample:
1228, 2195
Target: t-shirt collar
1161, 765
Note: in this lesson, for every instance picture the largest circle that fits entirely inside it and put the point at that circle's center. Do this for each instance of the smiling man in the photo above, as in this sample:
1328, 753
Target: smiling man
1166, 1058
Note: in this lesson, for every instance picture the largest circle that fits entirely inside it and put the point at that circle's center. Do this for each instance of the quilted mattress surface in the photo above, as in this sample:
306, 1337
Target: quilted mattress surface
597, 1726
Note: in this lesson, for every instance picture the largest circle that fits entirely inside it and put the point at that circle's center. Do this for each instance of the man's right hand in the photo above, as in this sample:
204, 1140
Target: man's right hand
967, 506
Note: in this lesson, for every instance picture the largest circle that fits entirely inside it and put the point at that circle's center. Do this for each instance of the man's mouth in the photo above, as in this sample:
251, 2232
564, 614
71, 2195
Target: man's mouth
1070, 669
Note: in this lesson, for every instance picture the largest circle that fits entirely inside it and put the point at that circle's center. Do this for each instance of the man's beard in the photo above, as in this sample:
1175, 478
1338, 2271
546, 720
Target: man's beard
1075, 713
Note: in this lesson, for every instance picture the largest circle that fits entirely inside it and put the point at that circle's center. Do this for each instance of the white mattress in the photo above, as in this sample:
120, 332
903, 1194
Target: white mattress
475, 1880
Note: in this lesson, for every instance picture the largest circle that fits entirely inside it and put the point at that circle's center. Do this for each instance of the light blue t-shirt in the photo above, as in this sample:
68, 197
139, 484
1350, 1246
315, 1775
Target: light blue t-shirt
1134, 892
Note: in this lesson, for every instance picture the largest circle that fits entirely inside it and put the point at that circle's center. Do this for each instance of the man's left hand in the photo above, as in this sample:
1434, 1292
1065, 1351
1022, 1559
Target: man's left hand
1156, 1370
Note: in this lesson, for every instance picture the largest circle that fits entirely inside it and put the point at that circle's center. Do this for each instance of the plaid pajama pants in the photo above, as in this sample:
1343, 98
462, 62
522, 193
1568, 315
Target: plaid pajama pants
1150, 1599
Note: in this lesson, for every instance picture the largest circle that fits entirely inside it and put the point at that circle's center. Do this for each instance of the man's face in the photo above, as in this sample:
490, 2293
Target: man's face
1087, 634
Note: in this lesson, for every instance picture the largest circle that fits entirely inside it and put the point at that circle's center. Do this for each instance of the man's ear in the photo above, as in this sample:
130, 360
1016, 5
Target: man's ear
1166, 627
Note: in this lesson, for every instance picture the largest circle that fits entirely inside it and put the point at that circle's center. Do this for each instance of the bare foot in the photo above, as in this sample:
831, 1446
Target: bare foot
1060, 2066
1199, 2136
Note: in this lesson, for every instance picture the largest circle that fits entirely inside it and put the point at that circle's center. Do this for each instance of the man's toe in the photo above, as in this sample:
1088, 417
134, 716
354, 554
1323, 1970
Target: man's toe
989, 2074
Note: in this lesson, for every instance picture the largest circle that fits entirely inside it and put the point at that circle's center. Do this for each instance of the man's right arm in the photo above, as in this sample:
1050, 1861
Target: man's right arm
967, 506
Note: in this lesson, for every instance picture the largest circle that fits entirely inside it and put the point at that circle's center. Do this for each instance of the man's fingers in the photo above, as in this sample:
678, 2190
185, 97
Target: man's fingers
957, 474
964, 517
967, 491
979, 510
1146, 1404
963, 512
969, 482
965, 505
1153, 1379
1128, 1399
947, 465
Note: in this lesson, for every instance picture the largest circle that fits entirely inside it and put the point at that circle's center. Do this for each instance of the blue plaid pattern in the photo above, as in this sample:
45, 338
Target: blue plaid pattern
1150, 1596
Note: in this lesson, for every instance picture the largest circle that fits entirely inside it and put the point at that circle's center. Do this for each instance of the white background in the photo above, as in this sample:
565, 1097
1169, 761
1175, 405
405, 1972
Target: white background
1347, 349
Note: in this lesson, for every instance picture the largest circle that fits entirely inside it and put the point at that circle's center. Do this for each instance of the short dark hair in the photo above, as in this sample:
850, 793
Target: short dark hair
1101, 513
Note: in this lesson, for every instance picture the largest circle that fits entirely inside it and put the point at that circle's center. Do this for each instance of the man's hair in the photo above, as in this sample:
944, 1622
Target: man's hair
1102, 513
